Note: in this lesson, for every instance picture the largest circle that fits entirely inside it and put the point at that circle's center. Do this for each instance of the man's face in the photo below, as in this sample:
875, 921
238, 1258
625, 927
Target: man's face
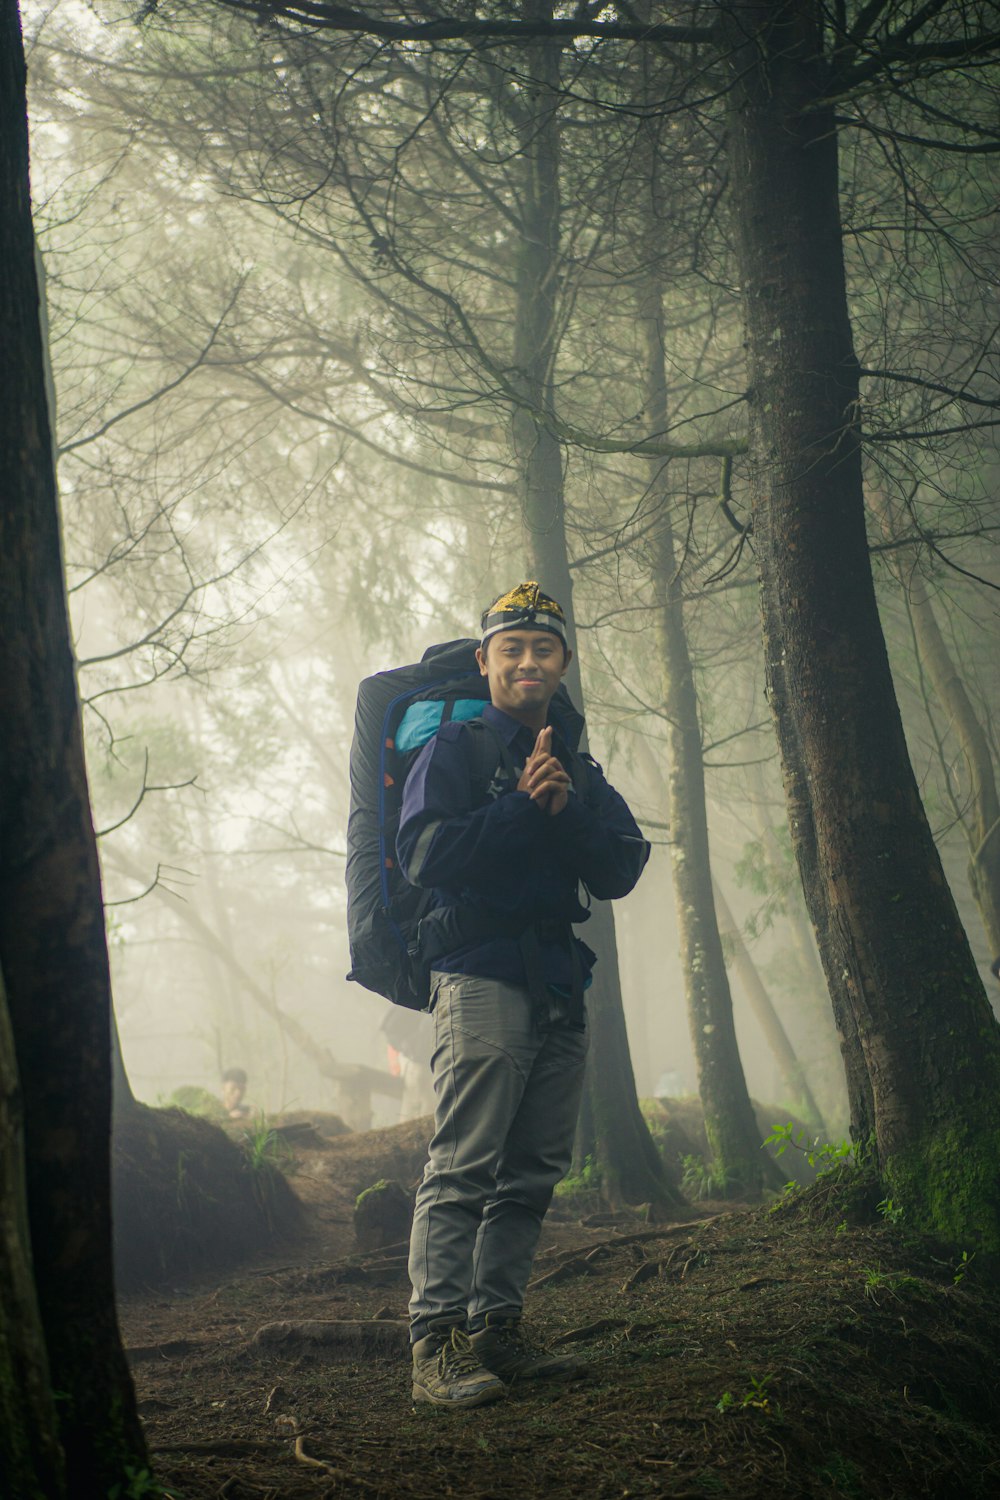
524, 668
232, 1093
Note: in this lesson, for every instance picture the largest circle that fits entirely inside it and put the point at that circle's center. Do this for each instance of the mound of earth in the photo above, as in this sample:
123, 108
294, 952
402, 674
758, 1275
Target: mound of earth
750, 1354
398, 1151
332, 1173
189, 1198
340, 1167
329, 1126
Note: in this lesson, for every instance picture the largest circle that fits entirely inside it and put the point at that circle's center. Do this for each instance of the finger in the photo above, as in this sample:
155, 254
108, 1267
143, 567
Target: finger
546, 788
548, 770
551, 772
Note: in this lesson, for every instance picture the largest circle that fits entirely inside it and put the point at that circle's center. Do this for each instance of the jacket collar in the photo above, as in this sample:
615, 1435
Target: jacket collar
508, 728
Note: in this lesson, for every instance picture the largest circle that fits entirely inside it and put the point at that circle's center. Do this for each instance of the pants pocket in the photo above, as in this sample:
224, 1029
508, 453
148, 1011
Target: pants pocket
439, 983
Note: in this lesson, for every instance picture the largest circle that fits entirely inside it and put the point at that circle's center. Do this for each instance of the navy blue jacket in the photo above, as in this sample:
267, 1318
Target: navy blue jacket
507, 856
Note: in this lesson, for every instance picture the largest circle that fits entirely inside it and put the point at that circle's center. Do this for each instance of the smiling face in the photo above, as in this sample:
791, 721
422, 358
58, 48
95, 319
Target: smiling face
524, 668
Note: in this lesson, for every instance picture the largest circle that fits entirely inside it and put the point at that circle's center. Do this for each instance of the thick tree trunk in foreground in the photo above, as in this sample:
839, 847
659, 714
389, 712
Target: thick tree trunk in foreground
31, 1461
52, 945
730, 1126
922, 1048
613, 1129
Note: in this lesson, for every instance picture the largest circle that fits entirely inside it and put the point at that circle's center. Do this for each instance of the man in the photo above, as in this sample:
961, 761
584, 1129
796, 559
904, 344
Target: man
507, 981
234, 1086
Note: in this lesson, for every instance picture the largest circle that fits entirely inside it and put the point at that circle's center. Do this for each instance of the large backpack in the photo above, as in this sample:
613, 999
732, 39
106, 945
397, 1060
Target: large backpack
397, 713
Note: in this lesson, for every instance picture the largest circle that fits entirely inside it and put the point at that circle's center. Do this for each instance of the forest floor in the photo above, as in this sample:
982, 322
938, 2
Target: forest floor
774, 1351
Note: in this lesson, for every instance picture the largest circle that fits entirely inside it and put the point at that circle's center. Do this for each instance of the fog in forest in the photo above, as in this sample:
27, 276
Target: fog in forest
280, 319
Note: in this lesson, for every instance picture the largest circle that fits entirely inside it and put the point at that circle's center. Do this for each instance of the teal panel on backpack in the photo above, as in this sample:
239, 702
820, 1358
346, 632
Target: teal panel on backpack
423, 720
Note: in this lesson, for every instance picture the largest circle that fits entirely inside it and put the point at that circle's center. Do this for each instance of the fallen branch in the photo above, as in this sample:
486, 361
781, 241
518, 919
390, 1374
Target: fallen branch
379, 1335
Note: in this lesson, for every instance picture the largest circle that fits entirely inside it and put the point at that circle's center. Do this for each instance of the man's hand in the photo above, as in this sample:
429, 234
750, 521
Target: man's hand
543, 777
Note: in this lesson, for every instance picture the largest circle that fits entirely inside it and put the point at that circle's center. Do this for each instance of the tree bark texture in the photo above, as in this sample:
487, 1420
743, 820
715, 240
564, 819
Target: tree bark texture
728, 1113
31, 1462
921, 1046
52, 944
618, 1137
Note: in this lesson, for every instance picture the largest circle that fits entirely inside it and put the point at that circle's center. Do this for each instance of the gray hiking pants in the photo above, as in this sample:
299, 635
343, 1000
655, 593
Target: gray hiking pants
507, 1096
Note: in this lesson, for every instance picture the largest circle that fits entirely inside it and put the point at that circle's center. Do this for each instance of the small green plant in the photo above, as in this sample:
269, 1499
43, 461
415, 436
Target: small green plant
891, 1211
368, 1192
877, 1280
756, 1398
962, 1266
825, 1154
701, 1179
138, 1484
788, 1192
586, 1181
264, 1147
842, 1475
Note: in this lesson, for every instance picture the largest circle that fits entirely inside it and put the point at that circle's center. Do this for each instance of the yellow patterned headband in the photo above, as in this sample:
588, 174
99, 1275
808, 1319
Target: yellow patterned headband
524, 606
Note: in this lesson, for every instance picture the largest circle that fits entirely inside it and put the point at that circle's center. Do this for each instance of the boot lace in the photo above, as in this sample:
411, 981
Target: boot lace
457, 1356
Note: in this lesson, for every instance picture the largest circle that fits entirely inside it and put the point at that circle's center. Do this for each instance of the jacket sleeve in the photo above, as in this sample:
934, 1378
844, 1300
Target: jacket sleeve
444, 842
599, 840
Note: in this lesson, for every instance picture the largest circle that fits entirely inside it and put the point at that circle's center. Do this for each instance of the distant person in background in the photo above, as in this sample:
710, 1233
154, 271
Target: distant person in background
234, 1086
670, 1085
409, 1037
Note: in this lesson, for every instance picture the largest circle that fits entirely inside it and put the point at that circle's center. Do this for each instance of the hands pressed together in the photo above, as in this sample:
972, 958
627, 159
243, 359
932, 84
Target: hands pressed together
543, 777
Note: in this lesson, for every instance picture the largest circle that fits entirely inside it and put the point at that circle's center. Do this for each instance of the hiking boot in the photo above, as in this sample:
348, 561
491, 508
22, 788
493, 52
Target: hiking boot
504, 1347
446, 1372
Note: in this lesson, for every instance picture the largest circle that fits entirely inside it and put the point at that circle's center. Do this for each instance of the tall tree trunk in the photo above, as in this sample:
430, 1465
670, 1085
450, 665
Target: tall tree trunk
53, 952
812, 992
793, 1076
31, 1460
922, 1048
730, 1125
618, 1137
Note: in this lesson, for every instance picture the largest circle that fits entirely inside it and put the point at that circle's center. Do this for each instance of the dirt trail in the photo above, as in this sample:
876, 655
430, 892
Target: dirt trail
747, 1354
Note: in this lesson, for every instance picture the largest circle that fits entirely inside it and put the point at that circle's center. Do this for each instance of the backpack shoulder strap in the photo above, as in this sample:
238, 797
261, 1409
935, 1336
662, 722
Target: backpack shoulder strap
579, 763
490, 760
